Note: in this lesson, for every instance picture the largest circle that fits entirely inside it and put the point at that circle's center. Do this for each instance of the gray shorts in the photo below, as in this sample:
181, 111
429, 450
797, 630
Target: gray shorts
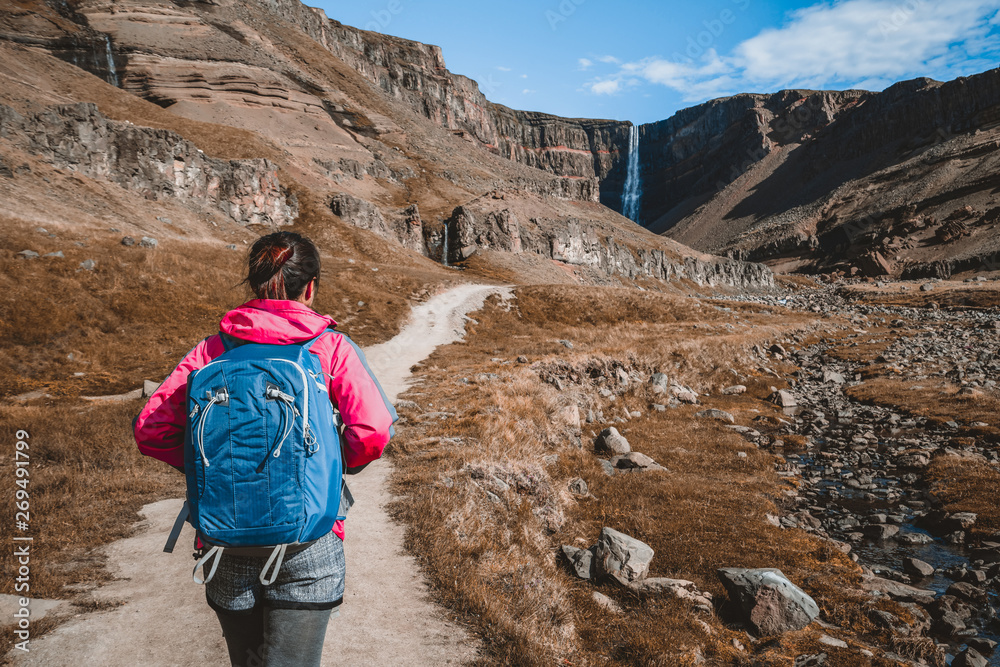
309, 579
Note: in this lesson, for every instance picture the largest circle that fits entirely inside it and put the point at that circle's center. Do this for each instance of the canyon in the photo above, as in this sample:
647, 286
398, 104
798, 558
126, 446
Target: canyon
713, 177
377, 129
643, 278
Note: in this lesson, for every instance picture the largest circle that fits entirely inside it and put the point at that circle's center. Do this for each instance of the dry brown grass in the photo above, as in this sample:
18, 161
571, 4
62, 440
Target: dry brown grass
68, 333
966, 484
937, 400
496, 559
87, 481
946, 294
86, 486
140, 310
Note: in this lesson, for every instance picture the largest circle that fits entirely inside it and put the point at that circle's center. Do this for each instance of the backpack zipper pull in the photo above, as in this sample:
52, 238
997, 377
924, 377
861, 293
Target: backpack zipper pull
287, 404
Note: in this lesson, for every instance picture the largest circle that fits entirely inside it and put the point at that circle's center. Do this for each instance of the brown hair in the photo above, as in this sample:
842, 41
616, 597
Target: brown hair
280, 265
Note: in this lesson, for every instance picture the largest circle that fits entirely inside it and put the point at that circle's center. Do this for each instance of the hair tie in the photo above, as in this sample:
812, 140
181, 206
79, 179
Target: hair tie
284, 255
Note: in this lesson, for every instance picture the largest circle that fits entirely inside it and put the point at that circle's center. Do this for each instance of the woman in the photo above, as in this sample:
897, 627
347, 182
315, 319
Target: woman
282, 623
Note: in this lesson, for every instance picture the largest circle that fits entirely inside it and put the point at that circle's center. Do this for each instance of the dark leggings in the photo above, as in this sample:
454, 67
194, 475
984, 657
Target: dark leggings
268, 637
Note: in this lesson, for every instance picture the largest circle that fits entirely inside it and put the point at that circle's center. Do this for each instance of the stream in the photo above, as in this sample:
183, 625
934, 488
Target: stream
862, 468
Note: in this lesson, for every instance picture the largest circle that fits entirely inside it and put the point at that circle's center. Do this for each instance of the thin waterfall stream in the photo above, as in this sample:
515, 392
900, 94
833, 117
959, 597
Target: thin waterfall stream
632, 194
112, 70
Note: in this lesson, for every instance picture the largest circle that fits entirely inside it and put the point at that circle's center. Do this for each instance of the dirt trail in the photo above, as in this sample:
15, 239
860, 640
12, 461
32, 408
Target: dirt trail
387, 617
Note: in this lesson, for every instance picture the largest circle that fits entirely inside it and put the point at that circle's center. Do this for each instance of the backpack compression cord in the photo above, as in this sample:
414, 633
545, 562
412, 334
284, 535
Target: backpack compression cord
262, 455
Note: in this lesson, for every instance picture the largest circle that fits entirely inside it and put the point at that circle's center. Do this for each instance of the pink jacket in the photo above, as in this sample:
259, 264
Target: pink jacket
367, 413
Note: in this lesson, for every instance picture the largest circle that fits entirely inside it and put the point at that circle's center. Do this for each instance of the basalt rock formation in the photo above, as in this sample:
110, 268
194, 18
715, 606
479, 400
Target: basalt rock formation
374, 128
698, 152
756, 176
416, 74
802, 179
823, 181
156, 164
578, 243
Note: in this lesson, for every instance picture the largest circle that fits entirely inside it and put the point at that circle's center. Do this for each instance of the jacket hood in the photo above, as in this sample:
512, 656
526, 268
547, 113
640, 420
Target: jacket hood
274, 322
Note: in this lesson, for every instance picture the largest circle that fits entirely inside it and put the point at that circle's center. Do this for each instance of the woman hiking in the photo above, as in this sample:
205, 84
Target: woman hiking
273, 602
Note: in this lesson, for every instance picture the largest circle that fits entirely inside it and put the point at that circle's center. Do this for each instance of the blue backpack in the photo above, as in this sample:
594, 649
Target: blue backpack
262, 454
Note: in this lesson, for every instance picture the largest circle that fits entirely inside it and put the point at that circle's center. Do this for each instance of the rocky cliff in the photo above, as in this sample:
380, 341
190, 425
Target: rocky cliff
769, 177
592, 250
578, 243
699, 151
157, 164
593, 151
824, 181
729, 175
374, 129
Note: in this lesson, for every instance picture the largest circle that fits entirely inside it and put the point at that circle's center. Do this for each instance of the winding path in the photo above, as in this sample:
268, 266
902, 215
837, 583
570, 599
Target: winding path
387, 617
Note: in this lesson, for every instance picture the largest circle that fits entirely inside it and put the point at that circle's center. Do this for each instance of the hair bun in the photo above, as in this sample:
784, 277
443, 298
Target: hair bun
281, 264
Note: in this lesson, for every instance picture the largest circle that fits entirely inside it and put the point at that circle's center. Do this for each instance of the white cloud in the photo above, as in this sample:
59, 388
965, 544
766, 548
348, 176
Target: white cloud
527, 91
608, 87
585, 63
524, 76
861, 39
503, 69
843, 43
611, 60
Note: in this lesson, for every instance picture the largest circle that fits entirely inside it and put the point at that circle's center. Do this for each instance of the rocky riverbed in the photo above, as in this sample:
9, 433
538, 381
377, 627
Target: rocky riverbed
860, 469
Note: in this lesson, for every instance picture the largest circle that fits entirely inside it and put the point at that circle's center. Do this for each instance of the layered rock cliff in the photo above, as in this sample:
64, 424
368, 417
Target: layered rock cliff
758, 176
593, 151
495, 224
699, 151
157, 164
375, 129
577, 243
823, 181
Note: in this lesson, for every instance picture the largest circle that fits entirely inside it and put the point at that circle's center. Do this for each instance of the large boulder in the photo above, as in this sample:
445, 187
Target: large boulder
622, 558
568, 417
917, 567
712, 413
897, 591
970, 657
771, 604
874, 264
610, 441
784, 399
635, 461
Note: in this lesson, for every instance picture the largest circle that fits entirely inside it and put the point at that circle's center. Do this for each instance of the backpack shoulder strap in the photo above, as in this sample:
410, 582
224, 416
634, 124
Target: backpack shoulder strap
231, 342
307, 345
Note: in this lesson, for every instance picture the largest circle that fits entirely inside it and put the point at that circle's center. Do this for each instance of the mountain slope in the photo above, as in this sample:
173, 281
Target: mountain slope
355, 147
825, 180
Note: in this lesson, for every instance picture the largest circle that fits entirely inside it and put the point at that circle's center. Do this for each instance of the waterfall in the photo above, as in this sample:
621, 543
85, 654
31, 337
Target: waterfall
444, 254
632, 194
112, 71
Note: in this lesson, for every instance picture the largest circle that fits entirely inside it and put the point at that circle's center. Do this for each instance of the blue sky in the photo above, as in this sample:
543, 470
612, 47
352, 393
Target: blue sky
642, 60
